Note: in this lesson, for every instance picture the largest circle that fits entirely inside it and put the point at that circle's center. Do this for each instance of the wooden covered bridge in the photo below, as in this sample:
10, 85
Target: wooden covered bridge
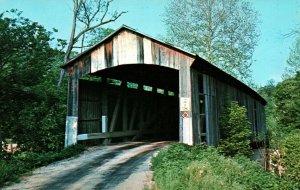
130, 85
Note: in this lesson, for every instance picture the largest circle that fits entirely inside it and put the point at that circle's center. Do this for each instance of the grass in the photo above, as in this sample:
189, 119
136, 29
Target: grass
198, 167
13, 167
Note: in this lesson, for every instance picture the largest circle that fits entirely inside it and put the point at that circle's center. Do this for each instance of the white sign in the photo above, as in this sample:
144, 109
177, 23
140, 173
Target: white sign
185, 104
187, 131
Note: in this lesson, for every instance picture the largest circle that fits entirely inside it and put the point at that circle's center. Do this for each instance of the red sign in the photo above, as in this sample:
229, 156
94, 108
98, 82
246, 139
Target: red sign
185, 115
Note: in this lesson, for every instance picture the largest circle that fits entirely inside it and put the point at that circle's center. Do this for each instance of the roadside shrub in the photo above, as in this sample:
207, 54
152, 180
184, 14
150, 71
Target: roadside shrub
20, 163
9, 171
235, 130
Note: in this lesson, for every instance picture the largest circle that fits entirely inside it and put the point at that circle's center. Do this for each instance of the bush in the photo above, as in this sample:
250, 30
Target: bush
20, 163
291, 158
287, 101
235, 131
199, 167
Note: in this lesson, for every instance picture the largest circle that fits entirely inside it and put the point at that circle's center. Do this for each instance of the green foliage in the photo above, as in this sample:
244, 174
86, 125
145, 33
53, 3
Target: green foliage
283, 119
287, 101
235, 130
32, 111
22, 162
96, 35
291, 159
223, 32
197, 167
293, 62
268, 92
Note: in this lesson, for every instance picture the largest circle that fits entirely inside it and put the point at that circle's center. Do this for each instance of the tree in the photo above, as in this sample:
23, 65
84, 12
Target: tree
235, 130
287, 101
291, 149
97, 35
223, 32
293, 62
268, 92
32, 110
88, 16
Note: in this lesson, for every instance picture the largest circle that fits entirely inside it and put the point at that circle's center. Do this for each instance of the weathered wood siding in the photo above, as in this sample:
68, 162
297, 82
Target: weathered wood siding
129, 48
79, 69
195, 107
126, 48
89, 116
216, 93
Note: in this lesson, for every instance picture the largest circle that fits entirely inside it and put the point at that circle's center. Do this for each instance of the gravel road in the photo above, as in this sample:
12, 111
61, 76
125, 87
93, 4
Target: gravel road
122, 166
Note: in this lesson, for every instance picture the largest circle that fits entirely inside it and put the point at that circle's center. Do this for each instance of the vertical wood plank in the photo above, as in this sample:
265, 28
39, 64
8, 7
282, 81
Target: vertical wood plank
195, 107
116, 50
127, 48
147, 51
97, 59
133, 116
140, 50
75, 91
70, 95
104, 105
125, 107
108, 54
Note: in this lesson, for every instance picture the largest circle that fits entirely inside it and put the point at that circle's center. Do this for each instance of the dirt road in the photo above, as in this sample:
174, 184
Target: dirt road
122, 166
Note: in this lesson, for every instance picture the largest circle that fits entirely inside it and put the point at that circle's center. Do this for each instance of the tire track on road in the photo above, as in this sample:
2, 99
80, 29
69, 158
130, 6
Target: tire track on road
74, 175
122, 171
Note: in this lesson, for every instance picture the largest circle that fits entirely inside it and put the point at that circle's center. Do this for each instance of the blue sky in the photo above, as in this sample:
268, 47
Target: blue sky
278, 17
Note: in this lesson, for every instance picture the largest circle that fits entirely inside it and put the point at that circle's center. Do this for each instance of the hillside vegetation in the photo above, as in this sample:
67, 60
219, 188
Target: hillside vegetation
198, 167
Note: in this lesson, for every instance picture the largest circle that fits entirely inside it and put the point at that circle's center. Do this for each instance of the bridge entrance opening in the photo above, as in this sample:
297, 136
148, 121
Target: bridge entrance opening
129, 102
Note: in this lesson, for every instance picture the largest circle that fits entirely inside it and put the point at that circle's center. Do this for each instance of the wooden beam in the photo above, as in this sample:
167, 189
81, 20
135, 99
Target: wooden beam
196, 106
112, 134
104, 107
124, 108
72, 104
75, 91
104, 99
115, 114
70, 95
133, 115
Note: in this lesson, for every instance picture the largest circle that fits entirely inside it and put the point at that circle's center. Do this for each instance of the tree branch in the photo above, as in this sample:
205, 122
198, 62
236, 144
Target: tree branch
114, 18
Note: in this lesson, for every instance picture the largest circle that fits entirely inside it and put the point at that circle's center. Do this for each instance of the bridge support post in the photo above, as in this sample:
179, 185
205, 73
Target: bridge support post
72, 108
71, 130
185, 107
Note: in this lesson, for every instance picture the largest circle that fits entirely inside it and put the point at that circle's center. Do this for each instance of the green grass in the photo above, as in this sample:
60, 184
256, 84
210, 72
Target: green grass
198, 167
12, 168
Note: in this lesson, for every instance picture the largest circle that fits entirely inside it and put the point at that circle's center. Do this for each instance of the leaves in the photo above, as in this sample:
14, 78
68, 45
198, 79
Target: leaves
235, 130
293, 62
223, 32
32, 108
287, 101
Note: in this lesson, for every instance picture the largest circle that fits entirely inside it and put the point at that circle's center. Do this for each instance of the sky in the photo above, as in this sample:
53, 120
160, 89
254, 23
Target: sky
277, 18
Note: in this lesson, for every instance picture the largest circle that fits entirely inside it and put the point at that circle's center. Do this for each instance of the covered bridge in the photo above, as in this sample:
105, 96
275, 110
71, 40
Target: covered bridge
131, 85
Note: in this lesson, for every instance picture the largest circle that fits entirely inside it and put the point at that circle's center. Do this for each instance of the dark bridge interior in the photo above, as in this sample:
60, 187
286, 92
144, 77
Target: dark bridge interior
140, 102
